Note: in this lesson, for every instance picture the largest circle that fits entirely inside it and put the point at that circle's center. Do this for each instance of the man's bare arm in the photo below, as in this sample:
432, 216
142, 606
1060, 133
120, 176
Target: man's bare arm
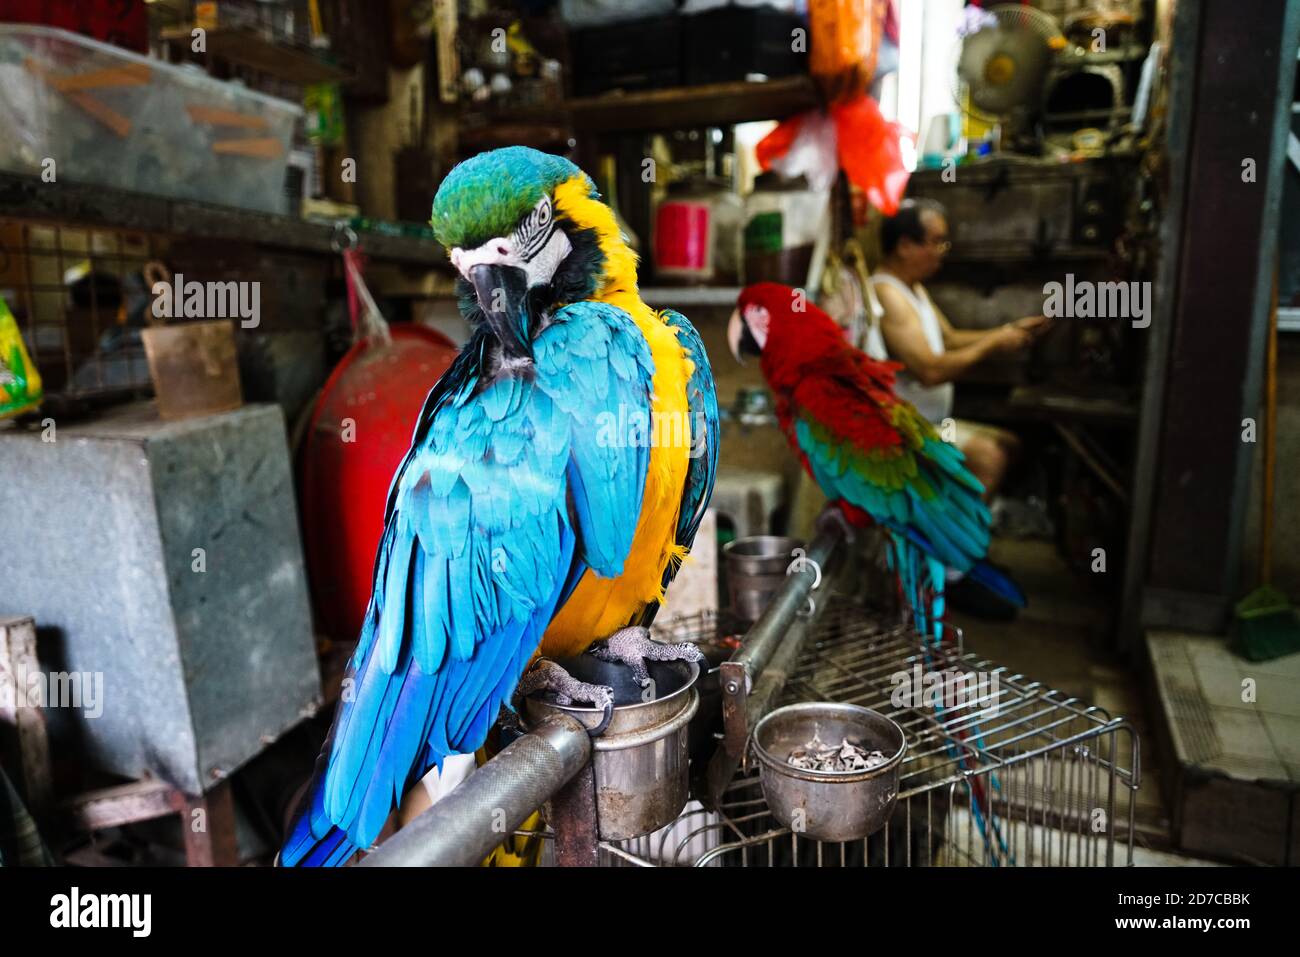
954, 338
906, 342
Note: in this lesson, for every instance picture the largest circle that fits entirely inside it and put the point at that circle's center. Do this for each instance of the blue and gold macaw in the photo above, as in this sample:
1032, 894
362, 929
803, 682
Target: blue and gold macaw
557, 476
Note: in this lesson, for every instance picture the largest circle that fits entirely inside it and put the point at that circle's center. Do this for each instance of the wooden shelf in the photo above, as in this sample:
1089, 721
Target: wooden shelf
248, 47
26, 197
714, 104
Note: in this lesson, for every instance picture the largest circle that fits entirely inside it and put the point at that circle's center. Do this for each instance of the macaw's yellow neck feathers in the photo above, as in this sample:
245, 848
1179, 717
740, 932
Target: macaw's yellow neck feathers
573, 199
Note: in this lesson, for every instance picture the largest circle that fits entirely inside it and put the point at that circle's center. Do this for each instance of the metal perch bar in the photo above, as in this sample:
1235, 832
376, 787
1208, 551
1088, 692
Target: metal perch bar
779, 631
770, 630
752, 680
467, 824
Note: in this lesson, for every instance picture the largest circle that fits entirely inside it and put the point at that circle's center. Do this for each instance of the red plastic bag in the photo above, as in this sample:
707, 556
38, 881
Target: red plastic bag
869, 152
778, 142
866, 146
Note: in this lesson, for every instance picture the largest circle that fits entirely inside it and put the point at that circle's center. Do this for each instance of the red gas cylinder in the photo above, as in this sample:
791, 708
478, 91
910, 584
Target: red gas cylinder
360, 429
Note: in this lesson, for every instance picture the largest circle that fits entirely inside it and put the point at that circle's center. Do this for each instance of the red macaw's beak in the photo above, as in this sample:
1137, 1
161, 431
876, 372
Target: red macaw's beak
735, 329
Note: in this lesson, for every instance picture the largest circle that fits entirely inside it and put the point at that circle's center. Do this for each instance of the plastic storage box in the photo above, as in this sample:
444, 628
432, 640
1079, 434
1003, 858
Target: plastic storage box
106, 116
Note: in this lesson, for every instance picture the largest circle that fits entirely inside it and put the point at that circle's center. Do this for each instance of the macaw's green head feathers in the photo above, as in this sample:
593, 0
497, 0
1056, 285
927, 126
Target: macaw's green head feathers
527, 232
487, 195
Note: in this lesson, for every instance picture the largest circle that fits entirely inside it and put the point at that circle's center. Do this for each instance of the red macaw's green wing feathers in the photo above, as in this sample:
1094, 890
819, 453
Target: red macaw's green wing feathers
876, 452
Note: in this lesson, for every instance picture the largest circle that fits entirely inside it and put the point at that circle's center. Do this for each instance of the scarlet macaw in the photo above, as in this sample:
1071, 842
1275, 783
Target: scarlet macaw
878, 459
868, 450
520, 516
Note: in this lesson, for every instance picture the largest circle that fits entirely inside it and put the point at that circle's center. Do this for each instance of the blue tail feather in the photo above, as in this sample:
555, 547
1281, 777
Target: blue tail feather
998, 583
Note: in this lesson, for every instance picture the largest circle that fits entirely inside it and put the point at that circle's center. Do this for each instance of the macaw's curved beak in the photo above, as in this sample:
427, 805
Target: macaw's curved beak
735, 330
502, 292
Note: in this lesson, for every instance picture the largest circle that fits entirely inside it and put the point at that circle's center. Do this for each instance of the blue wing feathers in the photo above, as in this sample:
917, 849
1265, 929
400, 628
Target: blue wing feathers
947, 528
705, 429
502, 504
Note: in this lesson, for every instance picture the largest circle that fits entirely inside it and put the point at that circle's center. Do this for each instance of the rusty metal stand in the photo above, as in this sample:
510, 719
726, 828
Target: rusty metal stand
573, 818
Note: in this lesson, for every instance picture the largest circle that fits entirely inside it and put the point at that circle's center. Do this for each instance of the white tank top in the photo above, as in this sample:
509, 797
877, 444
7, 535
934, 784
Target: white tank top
934, 402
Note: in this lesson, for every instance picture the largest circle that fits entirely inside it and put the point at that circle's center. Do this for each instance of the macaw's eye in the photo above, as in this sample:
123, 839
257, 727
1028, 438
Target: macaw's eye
532, 234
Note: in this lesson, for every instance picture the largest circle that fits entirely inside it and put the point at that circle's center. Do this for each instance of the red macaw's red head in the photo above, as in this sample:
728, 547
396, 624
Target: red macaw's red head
756, 309
768, 312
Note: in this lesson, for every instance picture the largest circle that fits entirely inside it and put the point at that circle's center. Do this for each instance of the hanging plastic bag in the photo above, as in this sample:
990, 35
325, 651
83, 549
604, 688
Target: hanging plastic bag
20, 383
842, 52
845, 38
803, 145
869, 152
854, 137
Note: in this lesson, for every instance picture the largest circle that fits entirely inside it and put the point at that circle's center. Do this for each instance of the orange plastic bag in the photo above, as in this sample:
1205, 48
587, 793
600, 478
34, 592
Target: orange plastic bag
841, 35
845, 37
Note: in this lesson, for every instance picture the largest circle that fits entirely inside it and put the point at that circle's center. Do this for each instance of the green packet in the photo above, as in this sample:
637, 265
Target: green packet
20, 383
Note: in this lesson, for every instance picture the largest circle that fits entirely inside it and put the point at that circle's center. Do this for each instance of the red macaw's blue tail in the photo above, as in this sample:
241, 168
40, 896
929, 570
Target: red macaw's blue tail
921, 579
980, 571
998, 583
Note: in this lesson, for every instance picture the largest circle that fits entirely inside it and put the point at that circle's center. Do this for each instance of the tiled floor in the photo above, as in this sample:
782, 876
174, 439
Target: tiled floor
1220, 721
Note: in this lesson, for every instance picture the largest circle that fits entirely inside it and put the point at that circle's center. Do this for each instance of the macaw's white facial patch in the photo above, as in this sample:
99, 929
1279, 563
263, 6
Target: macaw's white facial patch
758, 318
537, 246
534, 230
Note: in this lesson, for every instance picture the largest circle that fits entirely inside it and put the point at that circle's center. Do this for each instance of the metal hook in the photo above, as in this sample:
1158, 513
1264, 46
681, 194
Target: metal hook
802, 561
344, 237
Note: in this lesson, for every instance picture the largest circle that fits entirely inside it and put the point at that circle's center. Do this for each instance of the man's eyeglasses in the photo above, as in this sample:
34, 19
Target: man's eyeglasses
942, 245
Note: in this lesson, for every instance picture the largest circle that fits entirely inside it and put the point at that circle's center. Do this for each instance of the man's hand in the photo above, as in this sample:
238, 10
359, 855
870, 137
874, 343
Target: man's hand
1009, 339
1034, 325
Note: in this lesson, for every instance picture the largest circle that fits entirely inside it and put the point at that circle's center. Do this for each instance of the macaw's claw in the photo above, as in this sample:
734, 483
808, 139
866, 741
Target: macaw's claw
546, 675
634, 647
508, 720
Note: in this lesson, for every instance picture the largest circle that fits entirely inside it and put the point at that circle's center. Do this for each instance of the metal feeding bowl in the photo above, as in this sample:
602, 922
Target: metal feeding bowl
756, 568
829, 805
641, 762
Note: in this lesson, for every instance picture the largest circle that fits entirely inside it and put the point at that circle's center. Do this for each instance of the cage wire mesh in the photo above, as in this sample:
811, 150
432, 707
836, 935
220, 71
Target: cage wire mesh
1000, 770
80, 298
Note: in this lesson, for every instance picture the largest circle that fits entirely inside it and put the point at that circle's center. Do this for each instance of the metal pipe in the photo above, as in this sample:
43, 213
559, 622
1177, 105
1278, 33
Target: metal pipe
768, 632
467, 824
752, 679
757, 702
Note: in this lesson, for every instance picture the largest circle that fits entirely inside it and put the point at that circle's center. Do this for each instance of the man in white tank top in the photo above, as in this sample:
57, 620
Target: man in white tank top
916, 333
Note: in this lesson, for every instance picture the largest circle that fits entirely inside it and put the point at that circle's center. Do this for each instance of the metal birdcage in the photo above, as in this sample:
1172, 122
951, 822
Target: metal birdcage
1001, 770
78, 295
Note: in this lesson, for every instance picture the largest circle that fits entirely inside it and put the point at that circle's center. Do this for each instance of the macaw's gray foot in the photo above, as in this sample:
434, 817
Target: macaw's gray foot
546, 675
508, 719
634, 647
832, 517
